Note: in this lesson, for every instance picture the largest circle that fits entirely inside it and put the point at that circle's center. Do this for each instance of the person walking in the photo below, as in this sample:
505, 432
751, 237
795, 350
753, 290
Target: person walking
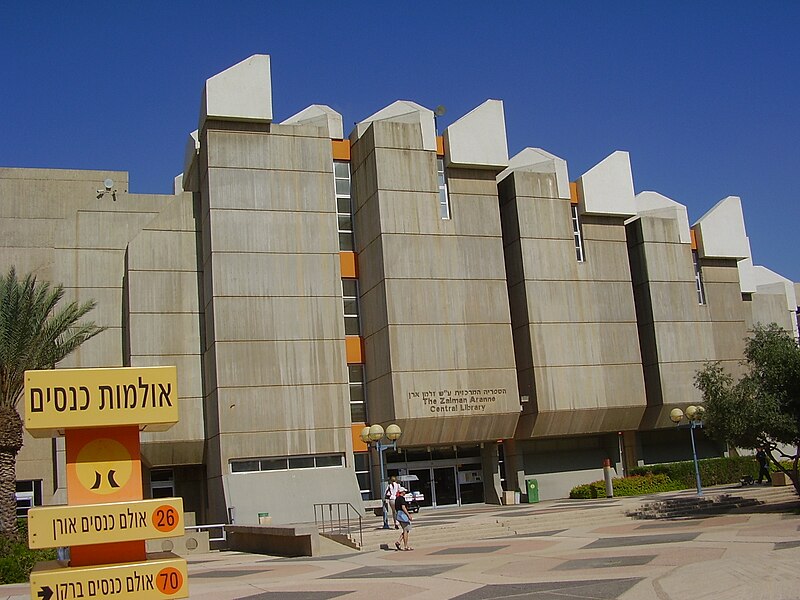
763, 468
404, 517
391, 497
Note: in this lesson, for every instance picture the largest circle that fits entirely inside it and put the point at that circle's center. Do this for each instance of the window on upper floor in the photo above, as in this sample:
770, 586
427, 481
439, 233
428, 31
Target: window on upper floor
285, 463
352, 325
444, 198
576, 233
358, 407
698, 279
344, 205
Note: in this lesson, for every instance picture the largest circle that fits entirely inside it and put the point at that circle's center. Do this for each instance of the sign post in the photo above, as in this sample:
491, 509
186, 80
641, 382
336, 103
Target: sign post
106, 523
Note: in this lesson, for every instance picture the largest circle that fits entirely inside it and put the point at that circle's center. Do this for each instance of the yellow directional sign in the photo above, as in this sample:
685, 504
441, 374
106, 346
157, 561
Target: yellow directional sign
163, 576
59, 399
54, 526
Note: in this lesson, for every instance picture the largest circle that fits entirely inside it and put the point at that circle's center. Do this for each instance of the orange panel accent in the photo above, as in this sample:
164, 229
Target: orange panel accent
341, 149
355, 430
106, 554
104, 465
349, 264
439, 145
354, 347
573, 192
694, 239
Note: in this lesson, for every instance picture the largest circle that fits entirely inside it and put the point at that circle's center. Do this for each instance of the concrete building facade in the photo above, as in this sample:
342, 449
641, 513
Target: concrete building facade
512, 323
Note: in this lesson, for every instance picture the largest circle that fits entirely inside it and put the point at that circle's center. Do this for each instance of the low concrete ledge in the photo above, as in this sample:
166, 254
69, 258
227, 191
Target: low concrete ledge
374, 506
286, 540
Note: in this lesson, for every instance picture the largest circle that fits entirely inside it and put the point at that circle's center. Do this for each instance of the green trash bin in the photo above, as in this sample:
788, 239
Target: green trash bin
532, 486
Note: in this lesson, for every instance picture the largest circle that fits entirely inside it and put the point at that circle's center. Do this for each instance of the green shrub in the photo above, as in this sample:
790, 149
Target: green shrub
667, 477
713, 471
17, 560
635, 485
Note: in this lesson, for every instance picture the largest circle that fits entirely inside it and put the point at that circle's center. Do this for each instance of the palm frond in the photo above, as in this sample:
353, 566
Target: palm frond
35, 333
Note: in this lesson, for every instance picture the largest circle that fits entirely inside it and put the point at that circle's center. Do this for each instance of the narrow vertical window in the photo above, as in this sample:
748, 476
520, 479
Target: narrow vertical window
344, 206
576, 233
350, 301
444, 199
698, 279
358, 408
362, 474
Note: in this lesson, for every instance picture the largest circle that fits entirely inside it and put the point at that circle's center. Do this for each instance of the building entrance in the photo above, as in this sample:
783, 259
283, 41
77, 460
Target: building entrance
444, 482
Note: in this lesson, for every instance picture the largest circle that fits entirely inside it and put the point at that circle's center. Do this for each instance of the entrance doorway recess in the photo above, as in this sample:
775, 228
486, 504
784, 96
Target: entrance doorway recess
444, 483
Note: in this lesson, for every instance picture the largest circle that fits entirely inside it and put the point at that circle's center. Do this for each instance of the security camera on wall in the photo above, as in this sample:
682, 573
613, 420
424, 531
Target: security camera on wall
108, 183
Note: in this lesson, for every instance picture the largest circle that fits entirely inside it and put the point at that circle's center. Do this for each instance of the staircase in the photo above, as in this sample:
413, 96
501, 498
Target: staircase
340, 522
433, 527
492, 524
675, 508
687, 505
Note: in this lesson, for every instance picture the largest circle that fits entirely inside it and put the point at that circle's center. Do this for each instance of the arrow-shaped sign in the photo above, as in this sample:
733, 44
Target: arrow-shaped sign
45, 593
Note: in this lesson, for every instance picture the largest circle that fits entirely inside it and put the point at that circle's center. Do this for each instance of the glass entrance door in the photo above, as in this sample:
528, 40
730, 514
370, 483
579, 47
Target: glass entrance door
444, 485
422, 485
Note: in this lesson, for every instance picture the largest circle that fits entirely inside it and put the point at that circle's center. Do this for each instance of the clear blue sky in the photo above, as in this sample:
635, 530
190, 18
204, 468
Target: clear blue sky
704, 95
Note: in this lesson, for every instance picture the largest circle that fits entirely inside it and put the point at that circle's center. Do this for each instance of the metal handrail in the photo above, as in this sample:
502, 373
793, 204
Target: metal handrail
338, 523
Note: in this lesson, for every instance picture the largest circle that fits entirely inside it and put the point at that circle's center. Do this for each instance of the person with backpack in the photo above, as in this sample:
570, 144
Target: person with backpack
390, 496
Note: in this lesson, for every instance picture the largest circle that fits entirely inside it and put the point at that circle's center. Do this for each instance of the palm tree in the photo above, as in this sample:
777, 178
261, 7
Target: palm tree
34, 334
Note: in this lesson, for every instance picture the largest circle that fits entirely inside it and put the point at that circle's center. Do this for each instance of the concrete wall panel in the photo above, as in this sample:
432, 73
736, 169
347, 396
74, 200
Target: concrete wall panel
166, 250
284, 409
163, 291
241, 150
439, 301
274, 231
169, 333
557, 344
473, 258
412, 171
555, 301
249, 189
451, 347
284, 274
279, 318
280, 363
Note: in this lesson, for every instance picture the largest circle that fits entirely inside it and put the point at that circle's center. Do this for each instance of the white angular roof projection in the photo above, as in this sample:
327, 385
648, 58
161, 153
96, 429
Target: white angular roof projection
405, 111
536, 160
721, 232
657, 205
607, 188
319, 115
242, 92
478, 139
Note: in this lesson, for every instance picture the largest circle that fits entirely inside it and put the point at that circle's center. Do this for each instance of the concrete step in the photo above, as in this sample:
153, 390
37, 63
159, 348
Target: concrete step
344, 539
470, 529
677, 507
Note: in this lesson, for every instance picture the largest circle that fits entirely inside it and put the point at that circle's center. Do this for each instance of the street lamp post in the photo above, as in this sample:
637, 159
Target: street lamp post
694, 414
374, 435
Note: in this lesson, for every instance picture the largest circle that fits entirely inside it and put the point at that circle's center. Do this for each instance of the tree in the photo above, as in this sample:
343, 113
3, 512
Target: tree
762, 409
34, 334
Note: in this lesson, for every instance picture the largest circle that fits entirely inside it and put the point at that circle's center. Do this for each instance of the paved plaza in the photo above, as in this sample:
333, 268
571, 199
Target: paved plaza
557, 550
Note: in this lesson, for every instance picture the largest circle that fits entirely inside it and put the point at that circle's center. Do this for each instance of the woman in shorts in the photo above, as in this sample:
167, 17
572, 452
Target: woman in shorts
404, 518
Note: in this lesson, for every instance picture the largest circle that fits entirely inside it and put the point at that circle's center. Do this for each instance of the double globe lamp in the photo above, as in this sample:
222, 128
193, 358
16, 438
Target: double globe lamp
374, 435
694, 415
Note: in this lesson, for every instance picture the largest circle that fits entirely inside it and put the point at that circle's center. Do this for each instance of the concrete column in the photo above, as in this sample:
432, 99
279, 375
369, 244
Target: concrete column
492, 488
630, 452
515, 466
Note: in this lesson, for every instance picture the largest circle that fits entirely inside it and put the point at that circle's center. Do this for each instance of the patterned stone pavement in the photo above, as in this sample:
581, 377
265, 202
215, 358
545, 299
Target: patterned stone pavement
749, 555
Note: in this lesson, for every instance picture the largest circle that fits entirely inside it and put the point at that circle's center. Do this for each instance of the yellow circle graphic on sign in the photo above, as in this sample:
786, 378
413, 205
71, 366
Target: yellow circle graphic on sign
104, 466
